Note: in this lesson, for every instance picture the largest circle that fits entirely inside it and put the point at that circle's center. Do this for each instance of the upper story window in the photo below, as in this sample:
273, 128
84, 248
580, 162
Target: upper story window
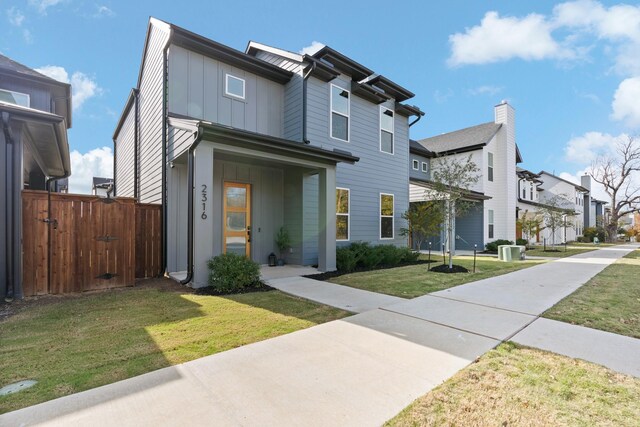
340, 107
490, 166
234, 86
424, 167
342, 213
16, 98
416, 165
386, 130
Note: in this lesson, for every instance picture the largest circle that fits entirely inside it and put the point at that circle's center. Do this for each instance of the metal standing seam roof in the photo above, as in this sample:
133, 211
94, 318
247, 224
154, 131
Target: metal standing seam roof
461, 140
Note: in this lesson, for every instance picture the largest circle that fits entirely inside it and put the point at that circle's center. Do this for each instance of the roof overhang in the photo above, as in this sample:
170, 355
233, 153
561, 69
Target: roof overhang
241, 138
468, 194
343, 63
408, 110
390, 88
47, 137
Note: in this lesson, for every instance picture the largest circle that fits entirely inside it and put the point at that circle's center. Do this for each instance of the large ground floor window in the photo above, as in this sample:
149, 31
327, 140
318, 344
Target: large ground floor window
386, 216
342, 214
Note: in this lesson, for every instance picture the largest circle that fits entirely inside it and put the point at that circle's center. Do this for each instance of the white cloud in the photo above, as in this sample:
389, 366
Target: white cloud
597, 190
97, 162
486, 90
28, 37
43, 5
442, 97
312, 48
104, 11
15, 16
626, 102
586, 148
83, 87
502, 38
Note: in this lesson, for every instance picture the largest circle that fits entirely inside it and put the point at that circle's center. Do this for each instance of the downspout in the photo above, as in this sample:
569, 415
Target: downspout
9, 242
416, 120
164, 155
136, 160
304, 101
190, 210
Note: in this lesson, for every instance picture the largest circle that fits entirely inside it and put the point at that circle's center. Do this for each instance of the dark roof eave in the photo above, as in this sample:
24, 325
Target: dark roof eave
124, 114
409, 110
341, 62
391, 88
212, 131
192, 41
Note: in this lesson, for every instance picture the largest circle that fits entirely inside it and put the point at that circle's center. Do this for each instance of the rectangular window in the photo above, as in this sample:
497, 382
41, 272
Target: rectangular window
424, 167
490, 223
234, 86
340, 107
17, 98
343, 206
531, 191
524, 193
490, 166
386, 216
416, 165
386, 130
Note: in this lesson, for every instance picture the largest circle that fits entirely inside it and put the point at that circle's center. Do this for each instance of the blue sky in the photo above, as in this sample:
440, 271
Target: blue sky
570, 69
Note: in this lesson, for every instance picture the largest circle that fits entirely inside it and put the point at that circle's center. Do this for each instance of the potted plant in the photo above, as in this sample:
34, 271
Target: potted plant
283, 242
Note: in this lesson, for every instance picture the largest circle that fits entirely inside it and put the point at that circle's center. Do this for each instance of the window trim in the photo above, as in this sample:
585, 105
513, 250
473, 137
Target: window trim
425, 168
348, 215
19, 93
226, 87
491, 222
416, 164
331, 111
393, 130
380, 216
490, 176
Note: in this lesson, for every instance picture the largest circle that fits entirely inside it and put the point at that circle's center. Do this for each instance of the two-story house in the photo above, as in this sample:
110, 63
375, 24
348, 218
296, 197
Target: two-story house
35, 113
236, 145
492, 147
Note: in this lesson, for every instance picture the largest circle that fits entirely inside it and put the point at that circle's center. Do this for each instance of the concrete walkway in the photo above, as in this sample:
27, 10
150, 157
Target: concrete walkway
357, 371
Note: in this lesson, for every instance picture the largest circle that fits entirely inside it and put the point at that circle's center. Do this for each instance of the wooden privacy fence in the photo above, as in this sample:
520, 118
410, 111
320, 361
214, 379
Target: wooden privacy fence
90, 243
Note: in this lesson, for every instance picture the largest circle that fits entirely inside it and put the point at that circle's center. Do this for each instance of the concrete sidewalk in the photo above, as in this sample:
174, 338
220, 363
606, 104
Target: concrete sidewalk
357, 371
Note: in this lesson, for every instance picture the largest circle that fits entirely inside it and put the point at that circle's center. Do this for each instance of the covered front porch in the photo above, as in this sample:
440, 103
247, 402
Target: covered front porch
244, 192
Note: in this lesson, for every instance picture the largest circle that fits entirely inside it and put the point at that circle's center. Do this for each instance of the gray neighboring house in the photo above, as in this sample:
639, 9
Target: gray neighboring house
492, 147
248, 142
101, 186
35, 113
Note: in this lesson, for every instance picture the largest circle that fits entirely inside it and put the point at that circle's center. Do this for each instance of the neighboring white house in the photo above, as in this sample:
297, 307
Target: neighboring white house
101, 186
492, 147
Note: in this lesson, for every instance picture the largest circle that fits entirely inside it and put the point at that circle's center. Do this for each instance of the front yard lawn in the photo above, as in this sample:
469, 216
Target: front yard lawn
415, 280
558, 251
80, 342
609, 301
514, 385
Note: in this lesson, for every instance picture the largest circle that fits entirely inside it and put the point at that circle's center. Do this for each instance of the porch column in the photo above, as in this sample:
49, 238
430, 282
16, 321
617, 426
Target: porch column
327, 219
203, 221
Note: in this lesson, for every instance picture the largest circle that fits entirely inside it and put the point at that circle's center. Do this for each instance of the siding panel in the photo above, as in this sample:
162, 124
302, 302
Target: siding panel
125, 157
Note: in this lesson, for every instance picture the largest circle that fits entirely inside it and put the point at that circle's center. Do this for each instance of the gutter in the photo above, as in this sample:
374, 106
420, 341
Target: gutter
190, 210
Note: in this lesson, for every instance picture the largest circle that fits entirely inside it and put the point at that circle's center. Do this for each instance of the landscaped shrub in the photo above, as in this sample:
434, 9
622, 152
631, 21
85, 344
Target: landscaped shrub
361, 255
521, 242
391, 255
590, 232
493, 246
230, 273
346, 260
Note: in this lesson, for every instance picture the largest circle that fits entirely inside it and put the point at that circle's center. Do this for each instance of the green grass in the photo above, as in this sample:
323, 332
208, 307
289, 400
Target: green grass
538, 251
415, 280
593, 245
78, 343
516, 386
610, 301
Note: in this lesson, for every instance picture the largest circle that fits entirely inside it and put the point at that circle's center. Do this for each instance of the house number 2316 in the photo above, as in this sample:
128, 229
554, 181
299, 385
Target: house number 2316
203, 193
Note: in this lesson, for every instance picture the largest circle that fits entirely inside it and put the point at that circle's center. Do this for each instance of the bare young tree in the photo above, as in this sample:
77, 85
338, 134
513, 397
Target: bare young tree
619, 173
453, 178
556, 214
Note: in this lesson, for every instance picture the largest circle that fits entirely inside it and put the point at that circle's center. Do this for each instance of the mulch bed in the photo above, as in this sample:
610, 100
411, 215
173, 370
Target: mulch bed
331, 274
444, 268
210, 290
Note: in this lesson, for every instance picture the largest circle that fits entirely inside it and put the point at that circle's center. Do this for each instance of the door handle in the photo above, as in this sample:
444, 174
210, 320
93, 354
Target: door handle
249, 234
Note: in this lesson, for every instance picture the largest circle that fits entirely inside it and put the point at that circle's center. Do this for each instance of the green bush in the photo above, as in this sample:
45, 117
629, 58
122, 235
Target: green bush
493, 246
521, 242
230, 273
361, 255
346, 260
590, 232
